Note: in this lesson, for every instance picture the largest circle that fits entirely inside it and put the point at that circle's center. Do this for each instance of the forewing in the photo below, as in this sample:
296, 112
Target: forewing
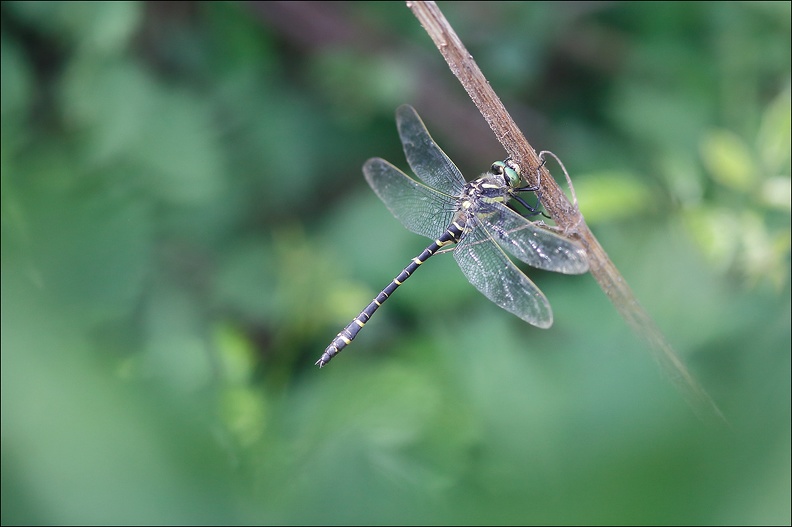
532, 244
488, 268
421, 209
426, 159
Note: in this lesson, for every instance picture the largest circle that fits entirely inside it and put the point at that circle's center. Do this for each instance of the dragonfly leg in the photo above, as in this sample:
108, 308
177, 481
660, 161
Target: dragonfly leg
532, 211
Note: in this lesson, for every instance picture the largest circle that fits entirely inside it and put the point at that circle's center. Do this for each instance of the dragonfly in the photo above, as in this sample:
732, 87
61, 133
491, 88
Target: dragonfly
477, 216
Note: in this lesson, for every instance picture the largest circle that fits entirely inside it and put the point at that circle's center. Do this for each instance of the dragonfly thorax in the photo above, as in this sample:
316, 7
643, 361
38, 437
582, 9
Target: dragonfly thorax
488, 188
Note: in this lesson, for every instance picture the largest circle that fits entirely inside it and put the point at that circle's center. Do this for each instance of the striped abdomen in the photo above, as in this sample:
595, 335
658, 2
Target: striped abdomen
348, 334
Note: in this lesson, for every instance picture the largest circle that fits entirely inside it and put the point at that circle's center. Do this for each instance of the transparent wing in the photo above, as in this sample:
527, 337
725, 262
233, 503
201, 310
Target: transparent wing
421, 209
532, 244
488, 268
426, 159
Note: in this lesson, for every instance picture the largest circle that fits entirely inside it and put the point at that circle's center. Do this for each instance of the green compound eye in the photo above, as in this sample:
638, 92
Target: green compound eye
512, 172
509, 170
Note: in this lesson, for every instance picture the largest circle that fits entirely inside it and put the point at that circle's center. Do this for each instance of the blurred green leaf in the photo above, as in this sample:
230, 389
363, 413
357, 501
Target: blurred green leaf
775, 134
100, 29
608, 196
777, 192
729, 160
17, 86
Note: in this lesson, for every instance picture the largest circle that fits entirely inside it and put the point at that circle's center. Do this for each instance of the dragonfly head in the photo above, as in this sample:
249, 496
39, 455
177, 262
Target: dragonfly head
508, 170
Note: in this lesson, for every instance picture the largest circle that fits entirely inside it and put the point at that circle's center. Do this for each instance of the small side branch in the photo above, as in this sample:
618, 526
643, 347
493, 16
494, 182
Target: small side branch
566, 216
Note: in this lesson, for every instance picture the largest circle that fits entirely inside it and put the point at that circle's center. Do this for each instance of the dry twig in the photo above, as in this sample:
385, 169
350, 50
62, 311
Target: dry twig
566, 216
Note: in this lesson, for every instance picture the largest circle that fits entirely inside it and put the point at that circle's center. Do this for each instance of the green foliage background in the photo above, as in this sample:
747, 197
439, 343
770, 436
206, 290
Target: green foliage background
185, 227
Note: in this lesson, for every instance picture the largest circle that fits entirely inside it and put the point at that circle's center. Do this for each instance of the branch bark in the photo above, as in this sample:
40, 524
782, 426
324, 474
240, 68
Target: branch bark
565, 215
